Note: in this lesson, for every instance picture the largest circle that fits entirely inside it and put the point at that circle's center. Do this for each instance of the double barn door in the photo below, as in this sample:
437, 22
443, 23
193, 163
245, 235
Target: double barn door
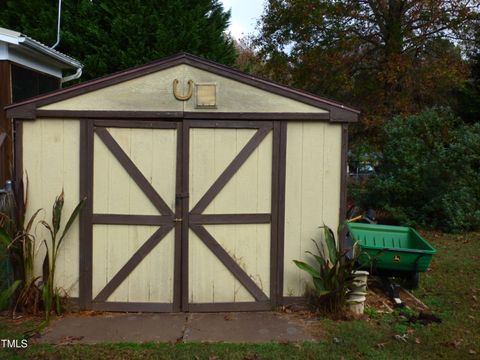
180, 215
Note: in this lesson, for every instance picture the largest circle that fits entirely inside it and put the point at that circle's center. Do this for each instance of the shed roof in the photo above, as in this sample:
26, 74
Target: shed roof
338, 112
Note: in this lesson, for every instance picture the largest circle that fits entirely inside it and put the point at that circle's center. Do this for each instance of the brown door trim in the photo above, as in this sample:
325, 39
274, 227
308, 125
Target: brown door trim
197, 220
210, 219
187, 220
282, 173
86, 215
165, 221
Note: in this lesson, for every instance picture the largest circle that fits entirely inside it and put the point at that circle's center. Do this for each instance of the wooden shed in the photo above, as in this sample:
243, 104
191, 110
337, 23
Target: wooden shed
203, 183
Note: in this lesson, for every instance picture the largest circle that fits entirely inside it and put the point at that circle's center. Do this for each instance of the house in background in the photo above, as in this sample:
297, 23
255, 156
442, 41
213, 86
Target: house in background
27, 68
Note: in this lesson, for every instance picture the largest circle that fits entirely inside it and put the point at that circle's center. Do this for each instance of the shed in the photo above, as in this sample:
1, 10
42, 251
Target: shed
203, 183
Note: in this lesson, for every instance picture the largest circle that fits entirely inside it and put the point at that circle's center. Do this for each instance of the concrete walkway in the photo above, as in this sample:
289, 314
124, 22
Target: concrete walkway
253, 327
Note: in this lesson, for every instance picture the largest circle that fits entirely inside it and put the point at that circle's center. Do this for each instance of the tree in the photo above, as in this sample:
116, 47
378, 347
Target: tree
468, 106
386, 57
111, 35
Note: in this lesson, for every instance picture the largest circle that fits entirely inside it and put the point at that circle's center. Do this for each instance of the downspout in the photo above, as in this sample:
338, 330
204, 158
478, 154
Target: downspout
58, 24
72, 77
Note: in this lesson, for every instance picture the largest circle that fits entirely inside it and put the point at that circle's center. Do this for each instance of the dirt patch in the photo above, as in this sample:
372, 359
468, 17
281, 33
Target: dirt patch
378, 299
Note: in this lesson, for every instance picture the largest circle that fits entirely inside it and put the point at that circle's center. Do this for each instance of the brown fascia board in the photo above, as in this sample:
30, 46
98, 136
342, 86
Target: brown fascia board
338, 112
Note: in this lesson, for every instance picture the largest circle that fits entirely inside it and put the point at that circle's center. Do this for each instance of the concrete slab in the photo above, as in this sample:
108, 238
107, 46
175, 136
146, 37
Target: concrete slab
115, 328
251, 327
241, 327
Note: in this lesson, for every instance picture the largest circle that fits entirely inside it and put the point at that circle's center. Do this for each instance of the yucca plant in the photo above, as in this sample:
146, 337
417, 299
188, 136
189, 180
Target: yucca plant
50, 294
331, 274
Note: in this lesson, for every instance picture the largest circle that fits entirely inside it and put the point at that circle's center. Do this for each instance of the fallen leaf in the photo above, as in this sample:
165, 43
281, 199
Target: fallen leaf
472, 352
229, 317
381, 345
213, 357
417, 340
401, 337
474, 298
454, 343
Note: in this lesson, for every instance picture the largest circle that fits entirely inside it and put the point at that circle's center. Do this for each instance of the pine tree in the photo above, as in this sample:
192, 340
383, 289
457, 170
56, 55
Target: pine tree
112, 35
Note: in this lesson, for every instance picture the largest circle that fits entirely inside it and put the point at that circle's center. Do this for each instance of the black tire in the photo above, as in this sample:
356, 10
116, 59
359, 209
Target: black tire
412, 280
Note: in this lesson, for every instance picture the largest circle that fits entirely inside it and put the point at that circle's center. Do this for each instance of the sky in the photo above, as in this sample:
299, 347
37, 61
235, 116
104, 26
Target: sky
245, 14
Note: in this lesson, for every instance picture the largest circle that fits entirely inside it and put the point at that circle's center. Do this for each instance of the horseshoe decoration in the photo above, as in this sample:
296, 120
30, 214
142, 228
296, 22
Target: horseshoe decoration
182, 97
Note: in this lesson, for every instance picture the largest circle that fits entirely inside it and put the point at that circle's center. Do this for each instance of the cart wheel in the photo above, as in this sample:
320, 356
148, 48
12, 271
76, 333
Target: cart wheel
412, 280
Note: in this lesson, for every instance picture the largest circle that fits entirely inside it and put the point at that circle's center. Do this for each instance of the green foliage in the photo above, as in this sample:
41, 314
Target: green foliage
50, 294
18, 240
112, 35
331, 274
429, 173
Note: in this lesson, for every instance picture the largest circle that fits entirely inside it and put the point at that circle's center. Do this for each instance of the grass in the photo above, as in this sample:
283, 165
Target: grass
451, 288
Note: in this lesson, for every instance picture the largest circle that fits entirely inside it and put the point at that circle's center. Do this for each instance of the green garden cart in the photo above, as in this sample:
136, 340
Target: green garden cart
391, 251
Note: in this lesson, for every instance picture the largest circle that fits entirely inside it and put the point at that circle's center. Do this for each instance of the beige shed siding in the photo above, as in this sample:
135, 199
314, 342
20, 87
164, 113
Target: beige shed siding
51, 159
233, 96
249, 191
312, 193
154, 92
153, 151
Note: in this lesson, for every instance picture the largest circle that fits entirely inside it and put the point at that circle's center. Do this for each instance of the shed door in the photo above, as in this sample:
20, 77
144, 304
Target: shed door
134, 262
228, 242
182, 216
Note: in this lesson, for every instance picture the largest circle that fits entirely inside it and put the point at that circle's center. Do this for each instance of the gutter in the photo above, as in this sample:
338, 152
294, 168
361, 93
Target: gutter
71, 62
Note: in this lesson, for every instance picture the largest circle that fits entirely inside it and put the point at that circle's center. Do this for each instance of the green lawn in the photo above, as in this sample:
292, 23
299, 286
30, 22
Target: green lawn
451, 289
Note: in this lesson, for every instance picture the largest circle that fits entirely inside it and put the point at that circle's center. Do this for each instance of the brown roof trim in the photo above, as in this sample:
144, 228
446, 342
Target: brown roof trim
338, 112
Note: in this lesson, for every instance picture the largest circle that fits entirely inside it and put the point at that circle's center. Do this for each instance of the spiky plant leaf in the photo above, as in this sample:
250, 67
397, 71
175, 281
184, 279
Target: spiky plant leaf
72, 218
57, 212
309, 269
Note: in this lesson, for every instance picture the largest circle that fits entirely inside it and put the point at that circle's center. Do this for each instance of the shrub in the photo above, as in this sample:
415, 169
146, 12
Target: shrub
429, 172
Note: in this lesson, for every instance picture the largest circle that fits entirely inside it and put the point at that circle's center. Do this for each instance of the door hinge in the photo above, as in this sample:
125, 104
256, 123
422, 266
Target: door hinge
177, 220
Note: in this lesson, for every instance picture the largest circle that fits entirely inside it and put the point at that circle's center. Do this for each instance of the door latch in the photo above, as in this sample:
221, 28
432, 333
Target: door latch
177, 220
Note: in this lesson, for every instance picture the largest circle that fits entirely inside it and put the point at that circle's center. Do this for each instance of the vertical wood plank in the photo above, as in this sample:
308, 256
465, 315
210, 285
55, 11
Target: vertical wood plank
68, 257
293, 208
226, 143
332, 175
